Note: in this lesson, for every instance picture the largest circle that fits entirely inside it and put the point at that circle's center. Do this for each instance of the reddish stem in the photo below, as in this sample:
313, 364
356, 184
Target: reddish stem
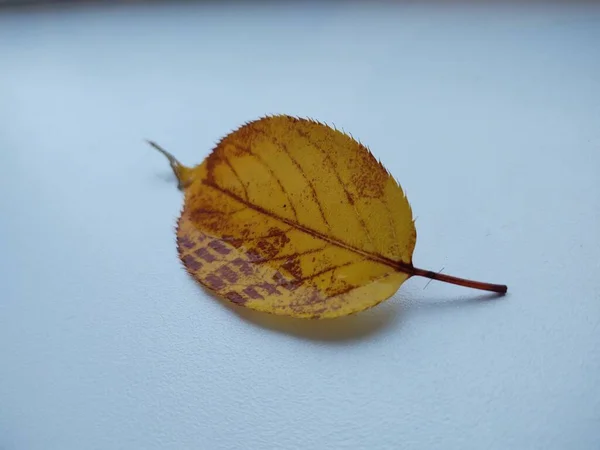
500, 288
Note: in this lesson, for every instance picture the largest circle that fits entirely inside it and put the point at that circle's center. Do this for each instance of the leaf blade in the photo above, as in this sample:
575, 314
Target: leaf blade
338, 239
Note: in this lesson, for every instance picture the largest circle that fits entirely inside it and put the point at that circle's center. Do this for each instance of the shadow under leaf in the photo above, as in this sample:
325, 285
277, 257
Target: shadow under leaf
388, 314
354, 327
455, 302
348, 328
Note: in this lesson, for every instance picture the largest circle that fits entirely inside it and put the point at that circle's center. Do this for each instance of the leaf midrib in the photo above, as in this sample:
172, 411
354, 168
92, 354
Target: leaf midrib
398, 265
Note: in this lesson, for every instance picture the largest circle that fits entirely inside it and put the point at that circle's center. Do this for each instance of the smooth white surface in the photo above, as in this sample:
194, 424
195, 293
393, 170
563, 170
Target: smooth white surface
489, 117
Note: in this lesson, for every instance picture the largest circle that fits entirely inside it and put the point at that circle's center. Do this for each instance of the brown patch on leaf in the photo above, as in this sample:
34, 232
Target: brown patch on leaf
292, 266
251, 292
219, 247
271, 289
228, 274
368, 181
280, 238
185, 241
214, 282
314, 297
190, 262
207, 256
235, 298
281, 280
243, 266
233, 241
267, 249
235, 150
254, 257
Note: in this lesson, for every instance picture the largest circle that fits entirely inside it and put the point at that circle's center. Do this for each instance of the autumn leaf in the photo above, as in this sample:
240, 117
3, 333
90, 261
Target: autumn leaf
292, 217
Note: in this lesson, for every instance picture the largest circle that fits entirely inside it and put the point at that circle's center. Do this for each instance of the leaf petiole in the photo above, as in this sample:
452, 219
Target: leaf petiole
182, 172
499, 288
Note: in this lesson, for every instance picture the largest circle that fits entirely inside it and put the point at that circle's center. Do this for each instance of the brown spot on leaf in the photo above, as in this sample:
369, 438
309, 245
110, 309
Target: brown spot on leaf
205, 255
190, 262
254, 256
185, 241
368, 181
314, 297
219, 247
279, 238
293, 267
236, 150
228, 274
203, 215
235, 298
235, 242
271, 289
215, 282
313, 301
267, 249
251, 292
243, 266
282, 281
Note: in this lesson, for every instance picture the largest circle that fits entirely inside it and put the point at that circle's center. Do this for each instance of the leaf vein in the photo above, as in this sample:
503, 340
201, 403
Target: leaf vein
237, 176
310, 184
307, 252
342, 184
352, 288
253, 238
392, 221
274, 175
330, 269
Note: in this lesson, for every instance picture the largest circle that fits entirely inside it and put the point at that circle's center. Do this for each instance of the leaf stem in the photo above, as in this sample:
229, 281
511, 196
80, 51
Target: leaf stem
499, 288
182, 172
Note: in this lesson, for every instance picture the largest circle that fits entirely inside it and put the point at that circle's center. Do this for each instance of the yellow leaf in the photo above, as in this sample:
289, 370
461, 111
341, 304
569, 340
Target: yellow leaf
291, 217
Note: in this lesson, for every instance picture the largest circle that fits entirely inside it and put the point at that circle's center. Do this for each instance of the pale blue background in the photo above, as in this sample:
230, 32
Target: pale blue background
488, 116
